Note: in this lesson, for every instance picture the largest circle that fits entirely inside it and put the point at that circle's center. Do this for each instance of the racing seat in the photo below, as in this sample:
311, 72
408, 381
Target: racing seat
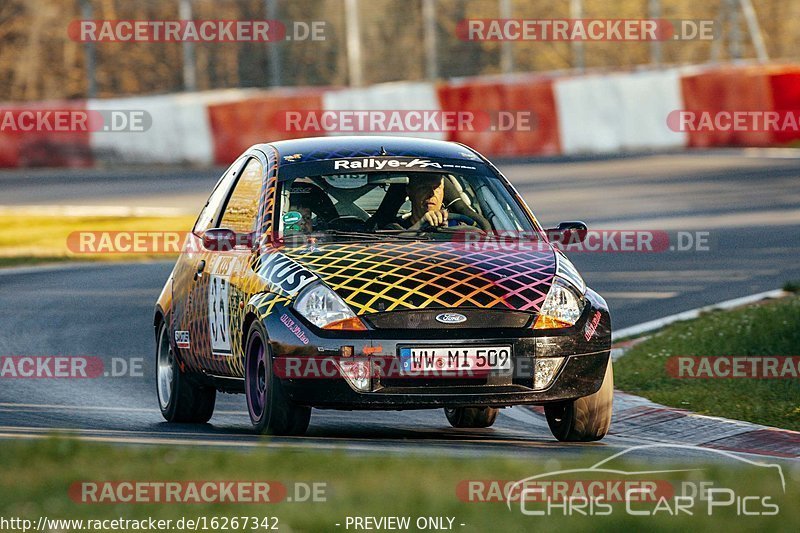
311, 196
387, 211
457, 201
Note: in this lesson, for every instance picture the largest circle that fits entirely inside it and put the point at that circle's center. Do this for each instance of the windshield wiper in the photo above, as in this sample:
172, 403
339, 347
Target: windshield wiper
445, 230
476, 234
361, 234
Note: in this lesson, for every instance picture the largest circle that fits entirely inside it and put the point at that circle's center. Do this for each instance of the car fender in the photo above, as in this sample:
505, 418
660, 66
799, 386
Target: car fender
164, 302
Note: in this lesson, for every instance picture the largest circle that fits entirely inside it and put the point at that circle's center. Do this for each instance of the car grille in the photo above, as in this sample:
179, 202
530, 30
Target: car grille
426, 319
432, 382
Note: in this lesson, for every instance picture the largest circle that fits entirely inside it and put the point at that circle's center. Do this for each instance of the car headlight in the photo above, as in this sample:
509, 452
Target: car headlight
322, 307
566, 270
562, 307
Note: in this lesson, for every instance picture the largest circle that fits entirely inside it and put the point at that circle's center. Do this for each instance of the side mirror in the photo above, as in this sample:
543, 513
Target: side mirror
219, 240
567, 233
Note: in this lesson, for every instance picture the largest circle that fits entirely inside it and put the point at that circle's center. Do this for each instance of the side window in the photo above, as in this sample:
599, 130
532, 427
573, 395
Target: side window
241, 211
208, 216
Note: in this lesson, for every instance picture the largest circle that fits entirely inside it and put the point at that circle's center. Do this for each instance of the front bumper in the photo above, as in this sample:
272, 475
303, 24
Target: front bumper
585, 350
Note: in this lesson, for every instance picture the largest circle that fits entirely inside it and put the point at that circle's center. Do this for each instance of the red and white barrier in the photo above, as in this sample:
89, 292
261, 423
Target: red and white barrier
396, 96
42, 147
529, 97
570, 114
618, 112
180, 131
784, 85
715, 89
237, 125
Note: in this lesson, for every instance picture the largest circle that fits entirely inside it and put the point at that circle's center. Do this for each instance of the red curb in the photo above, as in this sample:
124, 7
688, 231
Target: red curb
778, 442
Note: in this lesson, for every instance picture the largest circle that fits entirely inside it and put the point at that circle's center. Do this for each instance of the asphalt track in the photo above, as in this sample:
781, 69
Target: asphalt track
748, 202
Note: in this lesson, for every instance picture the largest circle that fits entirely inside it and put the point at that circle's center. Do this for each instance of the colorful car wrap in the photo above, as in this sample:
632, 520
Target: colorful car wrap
211, 297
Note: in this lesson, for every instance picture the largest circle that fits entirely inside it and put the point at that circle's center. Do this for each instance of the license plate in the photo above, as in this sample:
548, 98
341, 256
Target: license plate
455, 358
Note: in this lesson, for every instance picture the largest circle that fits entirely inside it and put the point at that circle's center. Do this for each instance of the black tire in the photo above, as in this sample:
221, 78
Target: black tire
271, 411
183, 400
471, 417
585, 419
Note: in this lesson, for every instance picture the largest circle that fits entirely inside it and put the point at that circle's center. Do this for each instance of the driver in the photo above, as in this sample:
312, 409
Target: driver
426, 193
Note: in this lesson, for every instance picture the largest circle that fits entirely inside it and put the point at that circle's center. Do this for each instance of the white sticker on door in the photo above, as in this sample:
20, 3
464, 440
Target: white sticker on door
219, 315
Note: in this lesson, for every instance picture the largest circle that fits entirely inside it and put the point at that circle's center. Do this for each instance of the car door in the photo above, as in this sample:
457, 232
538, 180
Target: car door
189, 317
228, 271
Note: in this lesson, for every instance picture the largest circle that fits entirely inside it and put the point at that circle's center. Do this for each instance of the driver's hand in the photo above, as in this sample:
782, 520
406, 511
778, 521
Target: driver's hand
435, 218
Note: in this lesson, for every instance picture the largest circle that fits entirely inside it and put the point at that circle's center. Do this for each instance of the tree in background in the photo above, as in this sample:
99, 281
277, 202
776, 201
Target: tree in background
39, 61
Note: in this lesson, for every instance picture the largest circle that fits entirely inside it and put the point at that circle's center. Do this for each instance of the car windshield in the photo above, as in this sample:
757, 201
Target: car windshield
398, 204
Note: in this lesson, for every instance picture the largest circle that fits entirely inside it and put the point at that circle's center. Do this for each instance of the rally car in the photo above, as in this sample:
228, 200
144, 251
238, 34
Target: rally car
379, 273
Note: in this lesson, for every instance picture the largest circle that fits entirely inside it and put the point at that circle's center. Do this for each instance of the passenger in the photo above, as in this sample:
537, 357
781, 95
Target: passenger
308, 199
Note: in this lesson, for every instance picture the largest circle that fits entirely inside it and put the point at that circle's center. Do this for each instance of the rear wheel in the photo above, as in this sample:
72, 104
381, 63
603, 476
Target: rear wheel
585, 419
471, 417
180, 399
271, 411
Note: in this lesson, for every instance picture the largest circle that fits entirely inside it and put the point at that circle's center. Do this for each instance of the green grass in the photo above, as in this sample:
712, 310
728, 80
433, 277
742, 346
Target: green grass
771, 328
36, 477
792, 286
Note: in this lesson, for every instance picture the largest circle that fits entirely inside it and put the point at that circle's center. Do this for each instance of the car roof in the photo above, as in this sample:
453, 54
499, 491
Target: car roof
326, 148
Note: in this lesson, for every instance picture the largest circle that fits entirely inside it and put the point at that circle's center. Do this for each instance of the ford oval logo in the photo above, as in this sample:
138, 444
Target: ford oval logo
451, 318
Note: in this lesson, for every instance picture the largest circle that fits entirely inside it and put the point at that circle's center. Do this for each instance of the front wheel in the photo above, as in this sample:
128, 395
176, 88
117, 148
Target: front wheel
180, 399
271, 411
471, 417
585, 419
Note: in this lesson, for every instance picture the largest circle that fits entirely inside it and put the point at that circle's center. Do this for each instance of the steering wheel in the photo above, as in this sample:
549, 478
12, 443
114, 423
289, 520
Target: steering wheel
341, 223
467, 220
464, 219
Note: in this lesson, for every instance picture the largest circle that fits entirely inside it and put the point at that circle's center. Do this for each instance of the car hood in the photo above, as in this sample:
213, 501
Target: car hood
394, 276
